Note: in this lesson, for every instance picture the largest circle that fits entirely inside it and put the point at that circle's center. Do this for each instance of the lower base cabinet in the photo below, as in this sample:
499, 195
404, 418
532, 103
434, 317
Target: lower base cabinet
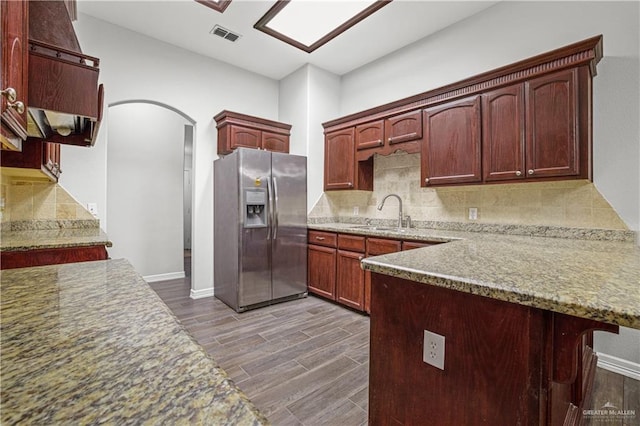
334, 270
41, 257
504, 363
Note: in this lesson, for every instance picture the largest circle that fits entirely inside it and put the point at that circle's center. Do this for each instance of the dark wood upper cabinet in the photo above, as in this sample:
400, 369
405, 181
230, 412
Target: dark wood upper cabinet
14, 74
403, 128
451, 149
552, 142
244, 137
370, 135
237, 130
530, 120
37, 159
503, 134
339, 160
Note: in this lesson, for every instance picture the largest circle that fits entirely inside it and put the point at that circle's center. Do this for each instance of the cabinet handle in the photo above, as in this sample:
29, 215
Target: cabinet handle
426, 180
18, 106
320, 238
530, 171
518, 173
350, 185
10, 94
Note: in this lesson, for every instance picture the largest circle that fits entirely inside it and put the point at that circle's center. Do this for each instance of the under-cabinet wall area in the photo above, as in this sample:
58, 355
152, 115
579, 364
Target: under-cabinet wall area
571, 203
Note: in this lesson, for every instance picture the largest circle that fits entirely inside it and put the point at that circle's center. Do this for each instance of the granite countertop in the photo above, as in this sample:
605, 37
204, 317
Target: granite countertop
591, 279
52, 238
91, 342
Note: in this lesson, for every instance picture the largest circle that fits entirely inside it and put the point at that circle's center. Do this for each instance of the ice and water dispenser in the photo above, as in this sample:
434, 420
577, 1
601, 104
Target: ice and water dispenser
255, 208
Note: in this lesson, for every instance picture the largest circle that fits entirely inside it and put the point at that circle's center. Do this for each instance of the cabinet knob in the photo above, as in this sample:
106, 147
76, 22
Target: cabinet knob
350, 184
518, 173
426, 180
530, 171
320, 238
10, 94
18, 106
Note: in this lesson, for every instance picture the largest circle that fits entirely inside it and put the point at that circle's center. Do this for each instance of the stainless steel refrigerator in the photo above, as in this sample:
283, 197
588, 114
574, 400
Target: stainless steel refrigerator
260, 228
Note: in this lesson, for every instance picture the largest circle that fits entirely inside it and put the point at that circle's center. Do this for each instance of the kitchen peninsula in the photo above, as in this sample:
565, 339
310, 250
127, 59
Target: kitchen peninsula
91, 342
516, 313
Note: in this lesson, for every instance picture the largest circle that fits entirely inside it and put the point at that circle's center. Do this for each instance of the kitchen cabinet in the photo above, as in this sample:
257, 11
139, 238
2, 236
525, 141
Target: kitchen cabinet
529, 120
503, 133
551, 132
341, 170
53, 256
321, 263
237, 130
377, 247
451, 149
38, 160
14, 73
386, 136
349, 275
530, 130
518, 364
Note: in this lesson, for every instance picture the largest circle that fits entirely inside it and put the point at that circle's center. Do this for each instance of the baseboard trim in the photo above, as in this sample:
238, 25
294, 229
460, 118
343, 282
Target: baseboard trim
163, 277
202, 293
619, 365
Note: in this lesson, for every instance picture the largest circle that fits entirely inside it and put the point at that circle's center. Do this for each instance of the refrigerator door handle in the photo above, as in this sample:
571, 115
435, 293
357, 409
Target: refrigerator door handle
270, 206
275, 208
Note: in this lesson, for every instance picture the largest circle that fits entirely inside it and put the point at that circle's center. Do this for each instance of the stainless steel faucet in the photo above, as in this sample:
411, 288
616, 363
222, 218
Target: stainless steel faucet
400, 216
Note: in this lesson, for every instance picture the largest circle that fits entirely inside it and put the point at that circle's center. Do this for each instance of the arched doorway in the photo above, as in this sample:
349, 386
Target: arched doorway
149, 166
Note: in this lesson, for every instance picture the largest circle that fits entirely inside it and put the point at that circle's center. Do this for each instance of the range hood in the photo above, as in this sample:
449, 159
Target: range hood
64, 99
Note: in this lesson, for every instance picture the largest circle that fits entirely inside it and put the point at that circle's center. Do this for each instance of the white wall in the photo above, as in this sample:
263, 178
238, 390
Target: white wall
308, 97
144, 188
511, 31
133, 66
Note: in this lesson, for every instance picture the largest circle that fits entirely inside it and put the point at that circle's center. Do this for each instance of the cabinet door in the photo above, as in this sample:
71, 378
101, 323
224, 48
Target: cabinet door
339, 160
245, 137
451, 146
552, 142
503, 139
376, 247
369, 135
15, 57
403, 128
350, 279
275, 142
322, 271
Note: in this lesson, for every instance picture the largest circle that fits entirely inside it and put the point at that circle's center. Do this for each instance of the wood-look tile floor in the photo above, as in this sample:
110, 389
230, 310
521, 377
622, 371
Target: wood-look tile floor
306, 362
303, 362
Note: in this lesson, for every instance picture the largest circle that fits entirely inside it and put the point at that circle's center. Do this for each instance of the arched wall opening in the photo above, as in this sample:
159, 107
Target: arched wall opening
149, 192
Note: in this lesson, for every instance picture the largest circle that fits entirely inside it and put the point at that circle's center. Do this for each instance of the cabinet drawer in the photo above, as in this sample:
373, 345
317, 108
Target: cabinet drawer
322, 238
410, 245
351, 242
377, 246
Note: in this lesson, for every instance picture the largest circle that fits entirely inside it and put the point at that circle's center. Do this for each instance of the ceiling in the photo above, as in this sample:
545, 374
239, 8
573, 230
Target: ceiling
186, 24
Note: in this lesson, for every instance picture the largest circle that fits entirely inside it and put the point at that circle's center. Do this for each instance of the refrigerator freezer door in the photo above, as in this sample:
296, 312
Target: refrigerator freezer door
289, 245
255, 261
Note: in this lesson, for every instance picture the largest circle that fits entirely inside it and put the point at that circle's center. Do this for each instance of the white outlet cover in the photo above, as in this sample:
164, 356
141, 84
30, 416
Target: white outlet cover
433, 349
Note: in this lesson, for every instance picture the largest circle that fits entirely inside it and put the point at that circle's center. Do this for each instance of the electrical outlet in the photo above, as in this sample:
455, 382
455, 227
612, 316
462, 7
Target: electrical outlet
433, 349
93, 208
356, 211
473, 213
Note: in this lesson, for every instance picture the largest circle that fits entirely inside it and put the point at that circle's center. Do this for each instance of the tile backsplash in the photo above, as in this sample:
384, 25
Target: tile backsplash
567, 203
24, 200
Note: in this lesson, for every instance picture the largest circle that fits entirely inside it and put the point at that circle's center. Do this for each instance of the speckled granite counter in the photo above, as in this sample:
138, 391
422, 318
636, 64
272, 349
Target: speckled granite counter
597, 280
52, 238
92, 343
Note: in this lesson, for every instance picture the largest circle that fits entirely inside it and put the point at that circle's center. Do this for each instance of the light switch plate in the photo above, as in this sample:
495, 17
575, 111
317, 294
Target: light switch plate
433, 349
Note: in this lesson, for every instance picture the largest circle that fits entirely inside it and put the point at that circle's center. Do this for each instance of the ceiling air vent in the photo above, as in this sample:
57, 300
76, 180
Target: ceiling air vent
224, 33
